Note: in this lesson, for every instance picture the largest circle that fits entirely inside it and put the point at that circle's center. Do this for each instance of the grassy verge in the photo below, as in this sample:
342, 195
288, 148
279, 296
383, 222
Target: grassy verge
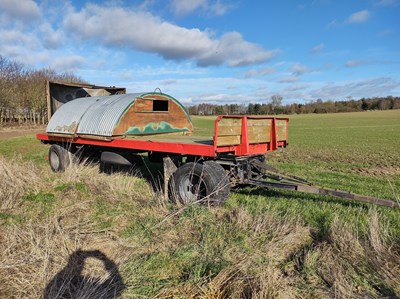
260, 244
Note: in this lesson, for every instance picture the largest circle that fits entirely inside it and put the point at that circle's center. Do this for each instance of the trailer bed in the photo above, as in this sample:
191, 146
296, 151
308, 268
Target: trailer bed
236, 135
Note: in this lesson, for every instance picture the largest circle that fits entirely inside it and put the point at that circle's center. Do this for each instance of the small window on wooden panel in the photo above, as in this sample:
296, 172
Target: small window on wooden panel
160, 106
147, 105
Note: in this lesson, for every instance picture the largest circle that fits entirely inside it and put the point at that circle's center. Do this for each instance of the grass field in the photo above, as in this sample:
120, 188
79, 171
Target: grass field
260, 244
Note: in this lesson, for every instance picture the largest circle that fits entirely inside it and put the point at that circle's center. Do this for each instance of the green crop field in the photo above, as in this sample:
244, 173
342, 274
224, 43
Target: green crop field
259, 244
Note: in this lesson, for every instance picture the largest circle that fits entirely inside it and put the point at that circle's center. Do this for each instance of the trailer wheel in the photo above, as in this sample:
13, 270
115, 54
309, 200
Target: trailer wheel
59, 158
194, 182
223, 186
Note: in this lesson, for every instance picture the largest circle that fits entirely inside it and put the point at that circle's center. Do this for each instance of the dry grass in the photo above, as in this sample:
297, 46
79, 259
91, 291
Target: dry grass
37, 261
17, 178
353, 267
83, 234
39, 252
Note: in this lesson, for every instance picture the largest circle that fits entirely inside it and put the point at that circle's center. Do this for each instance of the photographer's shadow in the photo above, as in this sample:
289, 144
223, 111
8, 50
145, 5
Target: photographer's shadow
71, 283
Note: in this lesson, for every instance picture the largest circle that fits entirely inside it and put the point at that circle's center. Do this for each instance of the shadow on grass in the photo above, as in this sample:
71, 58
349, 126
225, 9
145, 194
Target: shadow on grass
143, 168
71, 282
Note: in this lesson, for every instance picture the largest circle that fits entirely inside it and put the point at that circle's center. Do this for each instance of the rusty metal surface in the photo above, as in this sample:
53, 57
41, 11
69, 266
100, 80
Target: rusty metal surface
90, 115
104, 115
66, 119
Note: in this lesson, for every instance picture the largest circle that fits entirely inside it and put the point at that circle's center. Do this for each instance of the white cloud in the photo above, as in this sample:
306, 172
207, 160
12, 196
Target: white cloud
387, 2
51, 39
289, 79
184, 7
318, 48
218, 8
332, 24
259, 72
298, 69
355, 63
386, 32
18, 38
359, 17
233, 50
213, 7
381, 86
68, 63
25, 10
145, 32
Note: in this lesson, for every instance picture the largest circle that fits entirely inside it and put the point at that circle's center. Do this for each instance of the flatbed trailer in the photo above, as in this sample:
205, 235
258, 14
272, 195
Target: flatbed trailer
199, 169
196, 169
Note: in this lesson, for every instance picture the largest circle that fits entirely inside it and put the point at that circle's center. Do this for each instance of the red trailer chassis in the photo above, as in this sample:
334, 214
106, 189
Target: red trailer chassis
233, 157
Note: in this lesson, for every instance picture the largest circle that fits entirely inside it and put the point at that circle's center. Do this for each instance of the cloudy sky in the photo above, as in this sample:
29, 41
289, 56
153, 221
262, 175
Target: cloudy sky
215, 51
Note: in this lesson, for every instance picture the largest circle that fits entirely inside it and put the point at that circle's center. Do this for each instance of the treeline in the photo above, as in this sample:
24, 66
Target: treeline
23, 99
319, 106
22, 92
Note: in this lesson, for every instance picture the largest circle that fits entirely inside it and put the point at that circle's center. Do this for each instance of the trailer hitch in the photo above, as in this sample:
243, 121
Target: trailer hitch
267, 176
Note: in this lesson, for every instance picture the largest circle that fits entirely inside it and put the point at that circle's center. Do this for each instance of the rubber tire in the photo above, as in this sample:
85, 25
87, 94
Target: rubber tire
195, 182
59, 158
222, 188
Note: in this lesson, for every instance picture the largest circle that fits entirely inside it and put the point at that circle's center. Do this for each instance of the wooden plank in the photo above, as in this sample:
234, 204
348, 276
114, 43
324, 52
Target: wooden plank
230, 122
228, 140
229, 130
259, 129
259, 122
281, 129
259, 137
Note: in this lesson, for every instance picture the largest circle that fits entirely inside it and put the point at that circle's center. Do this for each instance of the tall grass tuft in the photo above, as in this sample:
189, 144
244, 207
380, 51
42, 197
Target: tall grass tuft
16, 178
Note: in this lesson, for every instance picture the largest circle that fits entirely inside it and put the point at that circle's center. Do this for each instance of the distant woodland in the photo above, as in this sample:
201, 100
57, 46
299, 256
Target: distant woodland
275, 106
23, 100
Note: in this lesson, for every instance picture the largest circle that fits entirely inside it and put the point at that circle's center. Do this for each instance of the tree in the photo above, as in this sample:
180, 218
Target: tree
276, 103
364, 105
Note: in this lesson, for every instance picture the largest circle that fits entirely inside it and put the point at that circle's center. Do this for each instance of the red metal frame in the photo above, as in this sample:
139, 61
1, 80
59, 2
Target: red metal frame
242, 149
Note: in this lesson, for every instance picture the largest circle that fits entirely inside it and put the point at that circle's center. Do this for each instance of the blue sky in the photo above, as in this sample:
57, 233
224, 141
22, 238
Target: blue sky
214, 51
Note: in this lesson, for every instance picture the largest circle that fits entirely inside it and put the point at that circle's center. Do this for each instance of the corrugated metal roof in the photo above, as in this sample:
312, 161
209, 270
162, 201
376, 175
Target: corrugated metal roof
66, 119
91, 115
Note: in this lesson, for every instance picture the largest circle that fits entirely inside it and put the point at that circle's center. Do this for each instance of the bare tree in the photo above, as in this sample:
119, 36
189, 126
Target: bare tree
276, 103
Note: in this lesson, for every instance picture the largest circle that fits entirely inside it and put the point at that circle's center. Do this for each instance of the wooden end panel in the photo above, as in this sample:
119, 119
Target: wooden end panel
229, 131
259, 130
228, 140
141, 117
281, 129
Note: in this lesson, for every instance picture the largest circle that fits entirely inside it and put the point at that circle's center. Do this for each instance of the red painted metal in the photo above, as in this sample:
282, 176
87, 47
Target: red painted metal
242, 149
274, 142
244, 146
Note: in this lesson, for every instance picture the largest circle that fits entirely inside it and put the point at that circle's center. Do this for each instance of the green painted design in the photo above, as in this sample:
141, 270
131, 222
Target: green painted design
155, 128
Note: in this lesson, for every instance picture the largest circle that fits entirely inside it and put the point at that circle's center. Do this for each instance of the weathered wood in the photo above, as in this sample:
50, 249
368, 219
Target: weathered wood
229, 130
230, 122
259, 137
142, 105
281, 129
228, 140
259, 122
141, 115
